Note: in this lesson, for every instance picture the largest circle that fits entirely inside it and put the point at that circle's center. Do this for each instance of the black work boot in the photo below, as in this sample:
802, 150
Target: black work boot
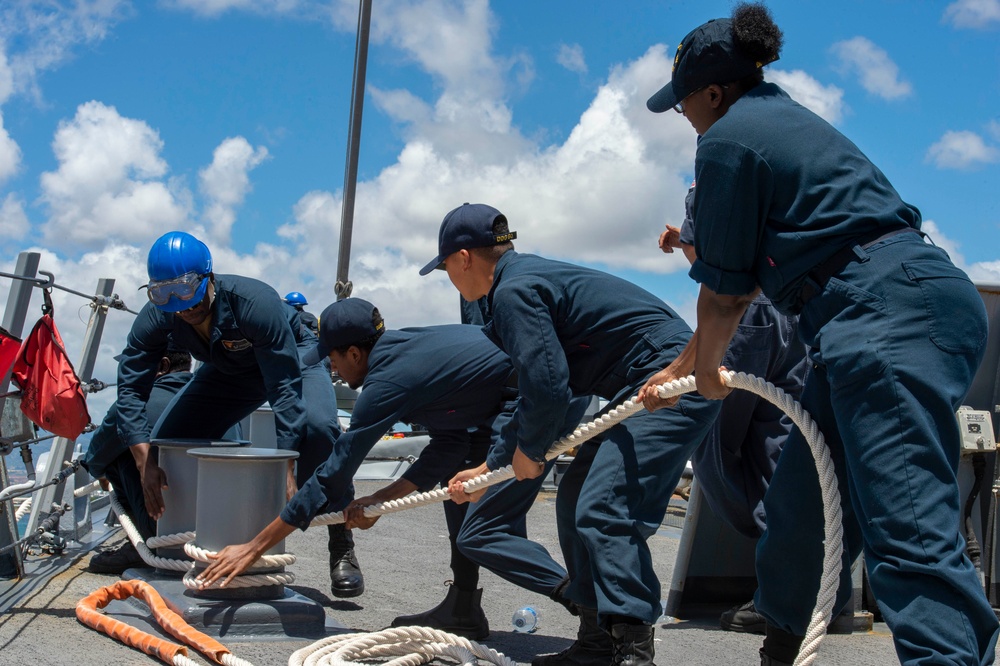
460, 613
768, 661
780, 647
633, 645
116, 560
592, 646
346, 579
559, 594
743, 619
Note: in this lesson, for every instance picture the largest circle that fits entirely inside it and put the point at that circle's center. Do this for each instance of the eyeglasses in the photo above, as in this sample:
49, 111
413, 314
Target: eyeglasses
182, 288
679, 106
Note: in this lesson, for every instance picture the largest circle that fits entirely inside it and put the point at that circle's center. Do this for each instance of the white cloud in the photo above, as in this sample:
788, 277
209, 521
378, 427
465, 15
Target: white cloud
217, 7
226, 181
106, 184
13, 221
10, 154
878, 74
49, 30
570, 56
825, 101
975, 14
962, 150
601, 196
982, 271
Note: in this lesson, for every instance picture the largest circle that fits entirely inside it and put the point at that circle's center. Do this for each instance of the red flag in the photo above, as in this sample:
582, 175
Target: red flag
51, 395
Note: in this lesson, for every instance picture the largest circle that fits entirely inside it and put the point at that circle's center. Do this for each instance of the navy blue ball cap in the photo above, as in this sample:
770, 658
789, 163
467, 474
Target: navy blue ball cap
342, 324
468, 226
707, 55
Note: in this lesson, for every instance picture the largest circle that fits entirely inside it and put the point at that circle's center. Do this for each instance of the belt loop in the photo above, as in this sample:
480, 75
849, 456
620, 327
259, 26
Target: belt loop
860, 253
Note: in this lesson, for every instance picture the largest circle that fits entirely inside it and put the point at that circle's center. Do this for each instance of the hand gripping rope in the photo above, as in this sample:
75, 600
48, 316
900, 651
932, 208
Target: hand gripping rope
832, 515
833, 530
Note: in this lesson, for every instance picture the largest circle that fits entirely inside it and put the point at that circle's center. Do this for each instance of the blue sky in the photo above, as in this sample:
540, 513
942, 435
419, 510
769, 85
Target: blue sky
228, 118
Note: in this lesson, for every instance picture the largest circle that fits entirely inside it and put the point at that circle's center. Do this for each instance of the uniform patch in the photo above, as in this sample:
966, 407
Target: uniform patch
236, 345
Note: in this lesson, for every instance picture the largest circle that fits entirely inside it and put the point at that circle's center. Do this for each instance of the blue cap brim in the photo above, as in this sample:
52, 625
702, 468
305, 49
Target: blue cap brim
663, 99
315, 355
436, 262
177, 305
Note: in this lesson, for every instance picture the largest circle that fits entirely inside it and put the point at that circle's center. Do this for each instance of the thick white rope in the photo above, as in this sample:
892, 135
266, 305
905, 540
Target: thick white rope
410, 645
245, 580
147, 555
226, 659
833, 518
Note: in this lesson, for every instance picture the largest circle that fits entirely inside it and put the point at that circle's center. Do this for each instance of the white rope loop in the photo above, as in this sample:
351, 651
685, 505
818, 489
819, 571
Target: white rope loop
833, 518
410, 646
249, 579
147, 555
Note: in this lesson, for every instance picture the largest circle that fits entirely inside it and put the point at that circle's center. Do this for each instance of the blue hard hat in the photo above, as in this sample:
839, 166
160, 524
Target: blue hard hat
295, 298
173, 256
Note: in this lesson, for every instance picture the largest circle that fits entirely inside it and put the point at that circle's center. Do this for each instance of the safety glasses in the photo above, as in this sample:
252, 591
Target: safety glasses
182, 288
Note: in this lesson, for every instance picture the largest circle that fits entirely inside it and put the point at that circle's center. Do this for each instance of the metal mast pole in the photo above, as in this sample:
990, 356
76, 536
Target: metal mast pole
343, 286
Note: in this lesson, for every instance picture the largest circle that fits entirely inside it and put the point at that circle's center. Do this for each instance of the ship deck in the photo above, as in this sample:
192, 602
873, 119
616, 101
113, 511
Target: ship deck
405, 561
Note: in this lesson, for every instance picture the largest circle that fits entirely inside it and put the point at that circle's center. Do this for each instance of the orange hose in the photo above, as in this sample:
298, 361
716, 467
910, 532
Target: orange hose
172, 623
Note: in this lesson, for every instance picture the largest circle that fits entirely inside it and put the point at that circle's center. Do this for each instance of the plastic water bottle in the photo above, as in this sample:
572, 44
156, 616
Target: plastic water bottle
525, 620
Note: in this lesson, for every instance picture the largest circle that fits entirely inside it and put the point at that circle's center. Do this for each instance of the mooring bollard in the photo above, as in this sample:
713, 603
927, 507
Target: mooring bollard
180, 497
240, 491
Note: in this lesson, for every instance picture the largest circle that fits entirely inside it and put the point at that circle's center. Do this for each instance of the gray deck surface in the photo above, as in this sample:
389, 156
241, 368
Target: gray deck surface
405, 561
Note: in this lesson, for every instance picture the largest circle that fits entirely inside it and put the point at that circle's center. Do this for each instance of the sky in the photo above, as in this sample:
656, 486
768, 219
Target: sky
120, 121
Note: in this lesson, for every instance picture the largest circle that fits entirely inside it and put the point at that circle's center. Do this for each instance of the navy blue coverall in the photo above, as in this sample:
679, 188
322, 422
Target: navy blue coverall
449, 379
494, 534
896, 333
735, 463
452, 380
252, 357
108, 455
572, 331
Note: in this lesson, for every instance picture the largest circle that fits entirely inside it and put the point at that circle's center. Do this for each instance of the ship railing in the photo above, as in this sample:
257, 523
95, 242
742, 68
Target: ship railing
52, 489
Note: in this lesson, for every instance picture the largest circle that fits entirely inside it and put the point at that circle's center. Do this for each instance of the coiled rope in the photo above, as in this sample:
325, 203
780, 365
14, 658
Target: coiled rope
418, 645
832, 514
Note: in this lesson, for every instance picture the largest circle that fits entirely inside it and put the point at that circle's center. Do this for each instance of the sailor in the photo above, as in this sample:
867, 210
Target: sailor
735, 463
573, 331
450, 379
788, 205
249, 343
299, 302
109, 459
494, 532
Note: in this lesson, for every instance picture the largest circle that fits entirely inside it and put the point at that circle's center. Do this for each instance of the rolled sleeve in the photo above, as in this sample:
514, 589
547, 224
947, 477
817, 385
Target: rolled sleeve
720, 281
729, 212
